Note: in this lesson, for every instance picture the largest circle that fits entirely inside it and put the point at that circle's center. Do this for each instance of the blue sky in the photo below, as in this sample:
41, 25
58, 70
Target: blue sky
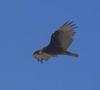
26, 25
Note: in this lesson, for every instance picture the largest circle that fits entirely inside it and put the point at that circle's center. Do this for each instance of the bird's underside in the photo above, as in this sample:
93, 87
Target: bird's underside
59, 44
45, 56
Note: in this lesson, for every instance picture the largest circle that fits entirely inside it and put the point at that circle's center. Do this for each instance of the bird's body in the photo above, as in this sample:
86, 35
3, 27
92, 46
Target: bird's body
59, 44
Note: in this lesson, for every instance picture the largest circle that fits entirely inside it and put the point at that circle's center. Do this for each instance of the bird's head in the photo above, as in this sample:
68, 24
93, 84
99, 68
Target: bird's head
41, 55
38, 55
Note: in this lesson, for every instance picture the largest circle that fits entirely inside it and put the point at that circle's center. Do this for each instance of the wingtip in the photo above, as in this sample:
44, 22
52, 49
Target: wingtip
70, 22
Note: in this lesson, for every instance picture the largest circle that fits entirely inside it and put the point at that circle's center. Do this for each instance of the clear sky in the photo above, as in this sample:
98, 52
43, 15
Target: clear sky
26, 25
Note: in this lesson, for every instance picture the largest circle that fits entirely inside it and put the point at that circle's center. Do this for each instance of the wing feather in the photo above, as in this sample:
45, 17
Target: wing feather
63, 37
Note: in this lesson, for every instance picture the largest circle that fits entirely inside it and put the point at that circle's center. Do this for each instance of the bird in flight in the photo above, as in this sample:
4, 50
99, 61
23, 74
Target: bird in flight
59, 43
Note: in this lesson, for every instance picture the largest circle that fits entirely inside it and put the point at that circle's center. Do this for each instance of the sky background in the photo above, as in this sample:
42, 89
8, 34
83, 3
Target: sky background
26, 25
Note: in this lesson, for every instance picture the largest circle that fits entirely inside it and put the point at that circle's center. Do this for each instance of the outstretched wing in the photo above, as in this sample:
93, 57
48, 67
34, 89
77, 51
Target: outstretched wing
63, 37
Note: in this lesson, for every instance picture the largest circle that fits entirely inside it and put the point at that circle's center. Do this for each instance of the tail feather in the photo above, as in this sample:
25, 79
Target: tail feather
71, 54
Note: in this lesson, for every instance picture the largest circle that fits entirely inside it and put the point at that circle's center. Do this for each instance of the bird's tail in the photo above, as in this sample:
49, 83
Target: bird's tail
71, 54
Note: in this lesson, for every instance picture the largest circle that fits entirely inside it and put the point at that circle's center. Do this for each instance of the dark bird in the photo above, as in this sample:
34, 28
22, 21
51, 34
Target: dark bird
59, 44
